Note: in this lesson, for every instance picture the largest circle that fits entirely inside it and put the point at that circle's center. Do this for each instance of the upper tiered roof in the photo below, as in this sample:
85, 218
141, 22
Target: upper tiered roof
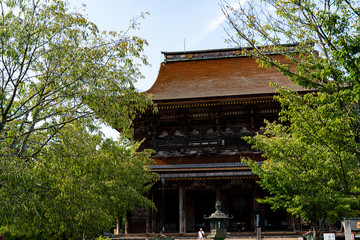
214, 73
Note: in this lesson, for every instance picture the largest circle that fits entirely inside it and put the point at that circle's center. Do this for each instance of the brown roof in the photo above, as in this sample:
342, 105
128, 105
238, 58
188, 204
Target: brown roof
231, 76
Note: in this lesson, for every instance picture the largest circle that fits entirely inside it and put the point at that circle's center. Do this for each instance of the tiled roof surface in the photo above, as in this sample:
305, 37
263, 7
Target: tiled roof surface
221, 77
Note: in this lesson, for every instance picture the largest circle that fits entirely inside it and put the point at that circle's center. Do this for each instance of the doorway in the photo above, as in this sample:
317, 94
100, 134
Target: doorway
204, 204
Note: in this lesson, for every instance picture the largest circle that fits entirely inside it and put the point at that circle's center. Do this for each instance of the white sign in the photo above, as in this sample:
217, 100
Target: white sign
329, 236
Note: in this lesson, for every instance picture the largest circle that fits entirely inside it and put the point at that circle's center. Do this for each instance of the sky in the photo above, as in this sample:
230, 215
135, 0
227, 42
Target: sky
173, 25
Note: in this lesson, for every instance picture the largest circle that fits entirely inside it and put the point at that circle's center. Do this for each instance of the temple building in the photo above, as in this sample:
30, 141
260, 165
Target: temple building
207, 101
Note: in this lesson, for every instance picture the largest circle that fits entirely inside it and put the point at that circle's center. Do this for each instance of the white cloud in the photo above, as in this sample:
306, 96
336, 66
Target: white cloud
214, 24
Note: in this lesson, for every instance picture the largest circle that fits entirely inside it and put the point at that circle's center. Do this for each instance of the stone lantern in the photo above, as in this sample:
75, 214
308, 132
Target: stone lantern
218, 223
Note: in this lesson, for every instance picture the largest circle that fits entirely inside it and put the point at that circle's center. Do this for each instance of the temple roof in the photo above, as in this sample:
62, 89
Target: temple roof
215, 73
199, 166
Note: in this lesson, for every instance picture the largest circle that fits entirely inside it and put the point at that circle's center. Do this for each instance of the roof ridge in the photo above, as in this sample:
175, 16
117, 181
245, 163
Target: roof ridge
220, 53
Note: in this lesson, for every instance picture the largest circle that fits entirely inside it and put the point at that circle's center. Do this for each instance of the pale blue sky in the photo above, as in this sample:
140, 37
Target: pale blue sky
198, 22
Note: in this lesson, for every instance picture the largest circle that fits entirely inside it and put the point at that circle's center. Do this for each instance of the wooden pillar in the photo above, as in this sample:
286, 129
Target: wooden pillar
258, 233
256, 212
148, 220
182, 212
153, 215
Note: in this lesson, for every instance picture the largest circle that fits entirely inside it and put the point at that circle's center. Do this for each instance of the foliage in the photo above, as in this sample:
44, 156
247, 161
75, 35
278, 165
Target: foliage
312, 168
61, 78
80, 184
313, 153
329, 27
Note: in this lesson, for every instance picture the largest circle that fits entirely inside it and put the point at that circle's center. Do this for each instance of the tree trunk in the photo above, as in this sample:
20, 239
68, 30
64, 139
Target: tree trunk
316, 232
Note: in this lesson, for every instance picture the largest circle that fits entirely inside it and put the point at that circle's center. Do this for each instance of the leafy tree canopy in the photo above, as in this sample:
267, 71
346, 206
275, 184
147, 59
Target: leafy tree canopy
313, 151
312, 167
61, 78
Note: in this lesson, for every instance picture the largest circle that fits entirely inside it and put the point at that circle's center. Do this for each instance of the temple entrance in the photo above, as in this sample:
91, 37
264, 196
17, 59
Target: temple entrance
240, 208
171, 211
204, 204
275, 220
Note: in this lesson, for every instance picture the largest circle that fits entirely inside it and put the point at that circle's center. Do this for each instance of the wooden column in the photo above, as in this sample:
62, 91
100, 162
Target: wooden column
148, 223
148, 220
256, 210
182, 215
153, 215
258, 233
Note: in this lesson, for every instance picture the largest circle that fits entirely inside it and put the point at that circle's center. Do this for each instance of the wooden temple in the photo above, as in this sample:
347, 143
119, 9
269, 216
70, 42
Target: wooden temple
207, 101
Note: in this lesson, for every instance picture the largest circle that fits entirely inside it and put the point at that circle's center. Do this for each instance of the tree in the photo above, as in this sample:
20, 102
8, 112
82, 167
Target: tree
61, 78
313, 152
312, 164
79, 185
